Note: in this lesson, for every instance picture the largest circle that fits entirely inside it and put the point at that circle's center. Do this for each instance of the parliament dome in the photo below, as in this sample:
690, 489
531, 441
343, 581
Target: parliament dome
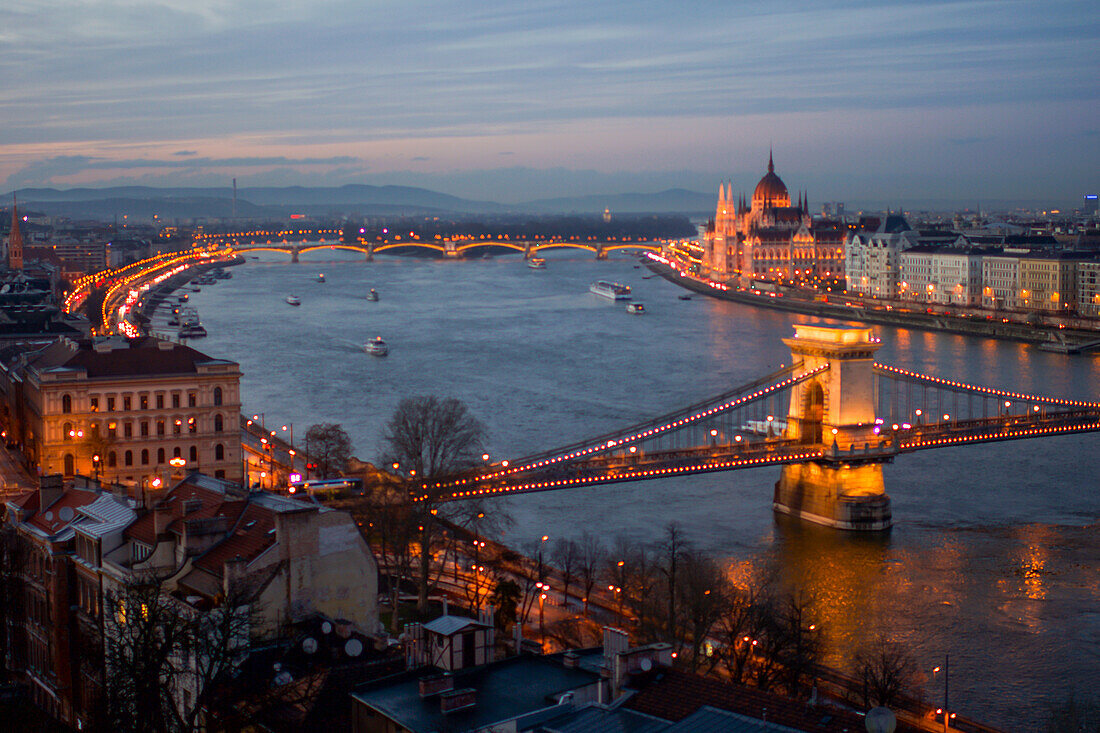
771, 188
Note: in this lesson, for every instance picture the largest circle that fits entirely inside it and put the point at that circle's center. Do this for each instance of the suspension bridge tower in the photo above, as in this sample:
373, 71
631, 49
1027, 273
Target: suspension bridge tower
835, 409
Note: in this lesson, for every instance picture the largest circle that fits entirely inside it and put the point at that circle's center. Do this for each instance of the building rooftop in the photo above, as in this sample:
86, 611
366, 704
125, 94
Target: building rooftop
505, 690
141, 357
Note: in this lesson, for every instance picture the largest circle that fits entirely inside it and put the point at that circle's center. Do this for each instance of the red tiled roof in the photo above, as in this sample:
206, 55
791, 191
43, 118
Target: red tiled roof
52, 519
213, 504
253, 533
673, 695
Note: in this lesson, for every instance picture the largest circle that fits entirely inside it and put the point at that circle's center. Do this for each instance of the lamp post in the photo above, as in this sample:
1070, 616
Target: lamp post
95, 464
946, 699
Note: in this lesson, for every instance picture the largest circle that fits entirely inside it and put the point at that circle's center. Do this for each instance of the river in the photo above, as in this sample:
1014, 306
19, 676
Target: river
993, 558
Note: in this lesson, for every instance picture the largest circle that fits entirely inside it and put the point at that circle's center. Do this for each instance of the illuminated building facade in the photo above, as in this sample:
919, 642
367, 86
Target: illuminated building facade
15, 241
126, 412
766, 238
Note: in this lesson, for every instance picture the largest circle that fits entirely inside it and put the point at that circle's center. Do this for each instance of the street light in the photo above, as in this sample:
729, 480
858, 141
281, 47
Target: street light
947, 716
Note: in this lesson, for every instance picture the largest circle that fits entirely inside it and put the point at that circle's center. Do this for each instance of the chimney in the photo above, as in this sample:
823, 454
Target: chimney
162, 517
571, 660
435, 684
232, 572
614, 642
50, 489
455, 700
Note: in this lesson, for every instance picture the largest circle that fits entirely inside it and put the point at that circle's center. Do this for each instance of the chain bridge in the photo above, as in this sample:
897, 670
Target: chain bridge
830, 420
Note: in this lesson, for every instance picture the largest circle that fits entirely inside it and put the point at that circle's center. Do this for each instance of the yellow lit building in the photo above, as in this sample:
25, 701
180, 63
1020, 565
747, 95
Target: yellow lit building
125, 412
766, 238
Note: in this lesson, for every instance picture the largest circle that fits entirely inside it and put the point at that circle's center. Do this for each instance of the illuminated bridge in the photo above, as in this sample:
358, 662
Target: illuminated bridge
831, 420
440, 248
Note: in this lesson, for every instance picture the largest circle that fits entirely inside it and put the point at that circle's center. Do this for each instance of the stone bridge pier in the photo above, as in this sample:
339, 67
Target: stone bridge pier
836, 410
294, 253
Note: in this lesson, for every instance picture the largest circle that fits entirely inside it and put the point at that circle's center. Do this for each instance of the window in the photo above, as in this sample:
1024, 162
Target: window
112, 430
67, 431
110, 404
177, 426
128, 458
145, 428
160, 427
192, 425
95, 404
217, 396
219, 452
160, 456
144, 402
192, 399
177, 452
66, 403
128, 429
175, 399
219, 424
126, 403
70, 464
160, 402
145, 456
112, 459
193, 454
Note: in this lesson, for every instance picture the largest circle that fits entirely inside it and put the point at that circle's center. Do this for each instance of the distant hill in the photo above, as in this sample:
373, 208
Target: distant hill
354, 199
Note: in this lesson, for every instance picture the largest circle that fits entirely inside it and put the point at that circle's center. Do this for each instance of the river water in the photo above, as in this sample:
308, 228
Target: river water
994, 557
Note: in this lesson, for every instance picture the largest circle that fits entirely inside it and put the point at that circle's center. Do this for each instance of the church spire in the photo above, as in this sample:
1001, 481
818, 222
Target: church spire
15, 239
771, 165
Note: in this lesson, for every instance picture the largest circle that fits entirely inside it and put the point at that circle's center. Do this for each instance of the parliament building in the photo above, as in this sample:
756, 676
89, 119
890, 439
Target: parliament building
765, 238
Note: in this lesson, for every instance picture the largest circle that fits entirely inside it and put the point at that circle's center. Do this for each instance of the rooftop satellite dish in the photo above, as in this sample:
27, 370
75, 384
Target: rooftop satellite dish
880, 720
647, 664
353, 647
277, 666
66, 513
284, 678
326, 628
48, 516
309, 645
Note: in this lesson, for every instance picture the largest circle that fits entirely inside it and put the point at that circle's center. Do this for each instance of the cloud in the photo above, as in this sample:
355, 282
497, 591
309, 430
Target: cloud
185, 152
419, 158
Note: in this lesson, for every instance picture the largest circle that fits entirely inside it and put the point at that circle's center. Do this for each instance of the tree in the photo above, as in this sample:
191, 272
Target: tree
429, 440
592, 554
329, 447
704, 590
887, 670
163, 657
565, 556
673, 547
505, 599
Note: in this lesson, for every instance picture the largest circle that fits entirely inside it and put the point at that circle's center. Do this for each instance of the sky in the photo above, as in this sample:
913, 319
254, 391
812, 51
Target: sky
513, 100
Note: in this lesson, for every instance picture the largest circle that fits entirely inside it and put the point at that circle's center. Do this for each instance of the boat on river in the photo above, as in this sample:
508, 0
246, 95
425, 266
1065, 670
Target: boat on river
610, 290
635, 308
321, 277
536, 263
293, 300
376, 347
372, 295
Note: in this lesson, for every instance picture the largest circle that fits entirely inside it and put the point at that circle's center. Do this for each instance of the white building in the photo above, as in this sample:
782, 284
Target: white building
872, 256
1001, 282
1088, 288
957, 277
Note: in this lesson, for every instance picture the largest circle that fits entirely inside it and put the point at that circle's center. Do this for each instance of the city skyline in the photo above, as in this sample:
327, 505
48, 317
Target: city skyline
963, 101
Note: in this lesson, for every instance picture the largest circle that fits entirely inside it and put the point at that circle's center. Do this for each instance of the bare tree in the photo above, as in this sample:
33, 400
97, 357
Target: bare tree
329, 446
673, 547
887, 670
803, 636
429, 440
590, 564
704, 590
566, 556
163, 657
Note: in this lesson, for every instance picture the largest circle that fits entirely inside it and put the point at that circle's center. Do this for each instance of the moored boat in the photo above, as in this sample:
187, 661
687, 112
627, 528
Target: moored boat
293, 300
635, 308
372, 295
536, 263
321, 277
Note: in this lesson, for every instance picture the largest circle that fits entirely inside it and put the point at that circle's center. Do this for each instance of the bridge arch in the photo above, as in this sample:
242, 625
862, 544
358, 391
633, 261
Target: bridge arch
813, 413
347, 247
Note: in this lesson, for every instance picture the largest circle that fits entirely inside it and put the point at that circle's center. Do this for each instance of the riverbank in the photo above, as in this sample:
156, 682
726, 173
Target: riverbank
1054, 338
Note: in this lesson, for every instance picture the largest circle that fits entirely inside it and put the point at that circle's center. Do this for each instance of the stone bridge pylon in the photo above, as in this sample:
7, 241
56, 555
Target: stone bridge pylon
836, 409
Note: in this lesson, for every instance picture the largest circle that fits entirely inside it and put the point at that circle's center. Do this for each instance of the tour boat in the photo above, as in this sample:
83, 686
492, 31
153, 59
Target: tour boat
610, 290
684, 297
321, 278
536, 263
293, 300
636, 308
376, 347
372, 295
